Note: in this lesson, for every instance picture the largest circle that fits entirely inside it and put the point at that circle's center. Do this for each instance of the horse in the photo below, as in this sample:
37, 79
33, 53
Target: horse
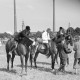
41, 48
21, 50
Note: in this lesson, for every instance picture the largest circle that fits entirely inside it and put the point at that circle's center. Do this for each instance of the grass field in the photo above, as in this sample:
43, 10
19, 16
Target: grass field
43, 72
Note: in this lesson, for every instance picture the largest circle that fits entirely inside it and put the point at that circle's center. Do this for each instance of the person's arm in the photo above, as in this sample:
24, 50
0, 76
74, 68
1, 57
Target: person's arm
66, 49
48, 36
24, 34
75, 47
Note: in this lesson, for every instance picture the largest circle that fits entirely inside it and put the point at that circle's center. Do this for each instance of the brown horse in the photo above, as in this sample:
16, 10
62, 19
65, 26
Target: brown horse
21, 50
36, 49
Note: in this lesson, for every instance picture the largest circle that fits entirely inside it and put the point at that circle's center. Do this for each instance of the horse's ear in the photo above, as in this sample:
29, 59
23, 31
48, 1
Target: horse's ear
54, 39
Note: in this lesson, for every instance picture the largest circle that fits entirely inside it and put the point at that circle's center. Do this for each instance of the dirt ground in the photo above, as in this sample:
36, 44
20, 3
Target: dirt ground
43, 72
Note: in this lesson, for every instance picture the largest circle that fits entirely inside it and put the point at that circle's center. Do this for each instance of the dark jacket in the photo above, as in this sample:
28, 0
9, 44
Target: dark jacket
60, 37
24, 33
63, 50
23, 37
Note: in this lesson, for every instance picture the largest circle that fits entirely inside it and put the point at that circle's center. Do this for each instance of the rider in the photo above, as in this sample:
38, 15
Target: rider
46, 38
60, 34
23, 37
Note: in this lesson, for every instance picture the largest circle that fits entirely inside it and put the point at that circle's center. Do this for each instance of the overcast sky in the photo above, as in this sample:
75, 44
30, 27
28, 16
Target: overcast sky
38, 14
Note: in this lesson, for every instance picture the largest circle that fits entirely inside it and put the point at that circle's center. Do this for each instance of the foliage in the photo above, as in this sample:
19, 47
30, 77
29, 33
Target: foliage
38, 34
5, 35
70, 30
74, 32
48, 30
77, 31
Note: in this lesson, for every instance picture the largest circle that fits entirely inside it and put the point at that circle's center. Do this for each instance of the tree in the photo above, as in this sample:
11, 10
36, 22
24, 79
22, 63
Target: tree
39, 34
77, 30
48, 30
5, 35
70, 30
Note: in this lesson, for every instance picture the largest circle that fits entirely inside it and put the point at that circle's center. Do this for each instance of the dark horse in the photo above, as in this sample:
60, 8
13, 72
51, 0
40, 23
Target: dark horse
53, 51
21, 50
38, 49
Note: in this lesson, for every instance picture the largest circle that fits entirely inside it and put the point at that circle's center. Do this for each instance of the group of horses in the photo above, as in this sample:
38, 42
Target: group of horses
32, 50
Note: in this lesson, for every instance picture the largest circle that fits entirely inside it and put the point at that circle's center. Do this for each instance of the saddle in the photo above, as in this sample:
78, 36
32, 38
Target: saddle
42, 46
26, 41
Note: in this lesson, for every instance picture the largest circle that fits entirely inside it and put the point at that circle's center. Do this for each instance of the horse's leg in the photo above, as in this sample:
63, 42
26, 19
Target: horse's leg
8, 59
26, 59
31, 59
35, 57
68, 61
56, 57
76, 71
12, 59
22, 63
52, 60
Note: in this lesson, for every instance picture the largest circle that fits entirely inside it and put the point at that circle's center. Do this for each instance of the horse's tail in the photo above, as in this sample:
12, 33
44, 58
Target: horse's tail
7, 46
10, 45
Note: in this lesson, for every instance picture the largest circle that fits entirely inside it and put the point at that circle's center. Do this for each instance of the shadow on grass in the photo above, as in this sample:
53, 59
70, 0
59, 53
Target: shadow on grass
44, 69
43, 63
65, 73
41, 68
8, 71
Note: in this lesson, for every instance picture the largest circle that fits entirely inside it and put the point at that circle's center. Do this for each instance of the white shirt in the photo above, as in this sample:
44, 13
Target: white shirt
45, 37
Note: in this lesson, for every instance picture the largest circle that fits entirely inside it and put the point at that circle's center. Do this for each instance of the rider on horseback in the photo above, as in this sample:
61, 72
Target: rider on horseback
46, 38
23, 37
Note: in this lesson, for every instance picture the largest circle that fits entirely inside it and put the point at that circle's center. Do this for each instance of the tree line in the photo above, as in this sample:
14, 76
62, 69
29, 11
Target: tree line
70, 30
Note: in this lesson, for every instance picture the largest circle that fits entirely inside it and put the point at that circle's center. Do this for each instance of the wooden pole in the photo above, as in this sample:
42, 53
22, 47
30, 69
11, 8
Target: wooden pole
22, 25
53, 15
15, 21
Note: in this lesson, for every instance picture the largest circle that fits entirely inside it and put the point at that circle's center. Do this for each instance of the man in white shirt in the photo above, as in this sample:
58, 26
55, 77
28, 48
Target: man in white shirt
46, 38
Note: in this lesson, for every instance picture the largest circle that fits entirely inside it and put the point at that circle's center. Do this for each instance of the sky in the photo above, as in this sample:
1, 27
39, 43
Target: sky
38, 14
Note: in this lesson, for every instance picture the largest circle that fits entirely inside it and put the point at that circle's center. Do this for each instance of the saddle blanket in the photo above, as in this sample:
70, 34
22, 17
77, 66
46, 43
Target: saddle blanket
42, 46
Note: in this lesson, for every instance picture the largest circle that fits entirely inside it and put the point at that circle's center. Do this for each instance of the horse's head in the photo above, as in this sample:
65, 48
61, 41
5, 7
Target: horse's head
69, 39
33, 47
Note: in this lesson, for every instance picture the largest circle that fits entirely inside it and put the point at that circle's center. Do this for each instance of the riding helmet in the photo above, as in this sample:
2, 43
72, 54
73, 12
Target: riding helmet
27, 27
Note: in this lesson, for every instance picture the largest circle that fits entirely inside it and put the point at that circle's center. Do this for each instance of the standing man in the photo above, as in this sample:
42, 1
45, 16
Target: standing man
63, 51
60, 37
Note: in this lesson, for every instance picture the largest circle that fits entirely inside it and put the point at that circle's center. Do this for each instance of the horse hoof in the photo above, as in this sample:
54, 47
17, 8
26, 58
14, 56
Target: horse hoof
21, 74
35, 66
25, 73
11, 66
30, 68
53, 70
7, 68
